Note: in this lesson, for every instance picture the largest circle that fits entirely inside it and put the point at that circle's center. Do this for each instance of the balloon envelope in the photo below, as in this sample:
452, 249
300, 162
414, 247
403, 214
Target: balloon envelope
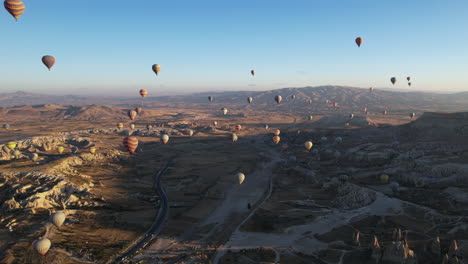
131, 144
11, 145
249, 100
138, 110
42, 245
48, 61
276, 139
119, 126
252, 72
33, 156
240, 177
92, 150
6, 126
210, 98
308, 145
393, 80
156, 68
14, 7
359, 41
234, 137
277, 132
132, 114
278, 99
238, 127
164, 139
60, 150
57, 218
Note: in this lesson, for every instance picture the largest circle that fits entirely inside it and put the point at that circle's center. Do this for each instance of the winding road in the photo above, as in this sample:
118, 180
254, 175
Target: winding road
157, 225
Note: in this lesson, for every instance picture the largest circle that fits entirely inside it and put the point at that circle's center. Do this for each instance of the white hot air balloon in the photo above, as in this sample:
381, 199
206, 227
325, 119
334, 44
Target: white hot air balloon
190, 132
234, 137
42, 245
240, 177
164, 139
58, 218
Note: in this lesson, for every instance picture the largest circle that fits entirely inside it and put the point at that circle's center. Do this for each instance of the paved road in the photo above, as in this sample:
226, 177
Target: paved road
157, 225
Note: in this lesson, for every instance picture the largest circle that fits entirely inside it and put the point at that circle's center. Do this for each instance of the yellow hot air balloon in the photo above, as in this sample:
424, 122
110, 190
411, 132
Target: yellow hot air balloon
384, 178
240, 177
277, 132
92, 150
14, 7
156, 68
119, 126
276, 139
308, 145
11, 145
60, 149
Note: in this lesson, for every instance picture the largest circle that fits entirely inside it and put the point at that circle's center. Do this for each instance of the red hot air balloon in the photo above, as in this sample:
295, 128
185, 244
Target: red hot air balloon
131, 144
143, 93
335, 104
48, 61
359, 41
132, 114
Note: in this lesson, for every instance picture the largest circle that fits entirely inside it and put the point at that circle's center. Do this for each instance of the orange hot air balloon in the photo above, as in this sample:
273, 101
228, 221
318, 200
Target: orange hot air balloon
359, 41
276, 139
14, 7
48, 61
143, 93
132, 114
131, 144
138, 110
238, 127
119, 126
277, 132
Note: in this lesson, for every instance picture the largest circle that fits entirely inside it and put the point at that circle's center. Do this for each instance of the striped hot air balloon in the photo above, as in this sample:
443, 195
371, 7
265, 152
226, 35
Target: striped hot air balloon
14, 7
156, 68
143, 93
238, 127
276, 139
131, 144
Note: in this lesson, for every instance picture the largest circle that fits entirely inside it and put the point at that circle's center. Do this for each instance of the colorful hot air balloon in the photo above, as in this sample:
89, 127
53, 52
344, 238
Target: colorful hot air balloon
132, 126
393, 80
224, 110
60, 149
277, 132
238, 127
74, 149
143, 93
249, 100
234, 137
149, 127
359, 41
156, 68
14, 7
138, 110
131, 144
11, 145
119, 126
210, 98
132, 114
48, 61
164, 139
57, 218
42, 245
240, 177
308, 145
276, 139
92, 150
252, 72
278, 99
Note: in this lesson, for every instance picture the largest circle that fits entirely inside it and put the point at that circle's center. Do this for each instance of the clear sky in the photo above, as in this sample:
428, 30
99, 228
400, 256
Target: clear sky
109, 46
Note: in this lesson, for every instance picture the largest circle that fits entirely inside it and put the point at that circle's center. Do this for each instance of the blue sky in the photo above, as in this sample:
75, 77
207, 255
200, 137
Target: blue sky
108, 47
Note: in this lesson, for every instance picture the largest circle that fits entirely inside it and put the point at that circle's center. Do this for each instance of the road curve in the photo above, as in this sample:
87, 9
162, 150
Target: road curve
158, 222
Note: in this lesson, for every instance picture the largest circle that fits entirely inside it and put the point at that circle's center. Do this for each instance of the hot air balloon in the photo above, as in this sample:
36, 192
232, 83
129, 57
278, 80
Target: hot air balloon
60, 149
408, 78
33, 156
252, 72
149, 127
238, 127
74, 149
384, 112
277, 132
92, 150
138, 110
156, 68
215, 123
48, 61
309, 101
371, 89
6, 126
338, 140
234, 137
132, 126
132, 114
190, 132
210, 98
14, 7
327, 101
42, 245
224, 110
11, 145
364, 109
311, 117
384, 178
278, 99
143, 93
57, 218
393, 80
351, 116
412, 115
164, 139
293, 97
359, 41
249, 100
409, 83
240, 177
276, 139
308, 145
266, 126
131, 144
335, 104
119, 126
